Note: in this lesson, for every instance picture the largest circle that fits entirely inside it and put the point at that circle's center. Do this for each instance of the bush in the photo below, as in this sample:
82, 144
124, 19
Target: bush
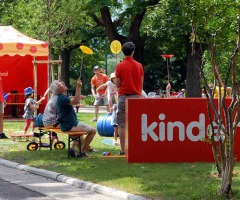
89, 100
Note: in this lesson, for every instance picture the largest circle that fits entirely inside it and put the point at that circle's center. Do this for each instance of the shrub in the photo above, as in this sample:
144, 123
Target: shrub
89, 100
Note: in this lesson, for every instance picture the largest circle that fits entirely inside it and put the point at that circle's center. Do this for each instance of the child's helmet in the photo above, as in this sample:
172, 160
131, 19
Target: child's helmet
28, 91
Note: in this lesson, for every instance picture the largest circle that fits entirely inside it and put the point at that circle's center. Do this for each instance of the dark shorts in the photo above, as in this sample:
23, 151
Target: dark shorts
121, 109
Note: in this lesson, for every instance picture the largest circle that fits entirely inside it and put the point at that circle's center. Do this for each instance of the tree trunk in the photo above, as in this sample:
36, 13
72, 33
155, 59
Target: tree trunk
134, 32
226, 182
193, 88
65, 73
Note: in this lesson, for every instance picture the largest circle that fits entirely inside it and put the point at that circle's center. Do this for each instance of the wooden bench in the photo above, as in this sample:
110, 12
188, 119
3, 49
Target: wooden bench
72, 136
19, 137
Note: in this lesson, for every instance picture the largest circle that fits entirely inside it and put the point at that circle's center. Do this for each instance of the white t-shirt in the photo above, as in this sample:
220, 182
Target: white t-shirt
111, 87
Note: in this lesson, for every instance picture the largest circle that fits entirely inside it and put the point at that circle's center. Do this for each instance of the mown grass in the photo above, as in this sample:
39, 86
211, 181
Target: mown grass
168, 181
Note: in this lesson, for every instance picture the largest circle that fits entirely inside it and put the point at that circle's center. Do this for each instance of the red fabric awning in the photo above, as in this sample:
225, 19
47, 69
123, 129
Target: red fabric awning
12, 43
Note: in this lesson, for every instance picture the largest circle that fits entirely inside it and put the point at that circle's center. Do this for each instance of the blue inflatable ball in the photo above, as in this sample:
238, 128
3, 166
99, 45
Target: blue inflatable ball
104, 127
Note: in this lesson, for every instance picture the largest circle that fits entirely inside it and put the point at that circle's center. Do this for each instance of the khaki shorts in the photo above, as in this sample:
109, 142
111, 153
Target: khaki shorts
82, 127
101, 101
1, 107
121, 109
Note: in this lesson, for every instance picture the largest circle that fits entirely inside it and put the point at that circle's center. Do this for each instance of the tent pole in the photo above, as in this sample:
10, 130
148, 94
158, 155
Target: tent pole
35, 82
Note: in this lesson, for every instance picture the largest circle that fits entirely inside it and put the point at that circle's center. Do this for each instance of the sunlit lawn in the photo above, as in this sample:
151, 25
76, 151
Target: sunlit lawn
176, 181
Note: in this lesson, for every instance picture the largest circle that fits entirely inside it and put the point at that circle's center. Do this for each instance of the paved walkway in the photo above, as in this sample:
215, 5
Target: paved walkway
16, 184
58, 182
91, 109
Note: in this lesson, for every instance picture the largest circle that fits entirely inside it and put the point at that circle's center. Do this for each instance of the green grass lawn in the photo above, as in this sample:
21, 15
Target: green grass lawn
175, 181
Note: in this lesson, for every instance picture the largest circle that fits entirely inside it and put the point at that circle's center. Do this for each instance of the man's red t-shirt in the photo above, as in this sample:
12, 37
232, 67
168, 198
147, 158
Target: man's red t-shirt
98, 81
130, 73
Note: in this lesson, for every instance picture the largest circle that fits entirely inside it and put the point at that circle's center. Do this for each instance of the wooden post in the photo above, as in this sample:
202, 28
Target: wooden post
51, 64
59, 72
35, 82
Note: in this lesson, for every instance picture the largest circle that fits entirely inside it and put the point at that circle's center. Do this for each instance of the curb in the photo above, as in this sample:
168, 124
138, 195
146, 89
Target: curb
73, 181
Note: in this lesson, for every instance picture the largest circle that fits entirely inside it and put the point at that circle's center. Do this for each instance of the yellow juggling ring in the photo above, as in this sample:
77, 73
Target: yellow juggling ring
115, 46
86, 49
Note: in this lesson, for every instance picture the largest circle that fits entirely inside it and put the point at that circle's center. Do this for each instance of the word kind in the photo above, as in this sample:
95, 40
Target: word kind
164, 130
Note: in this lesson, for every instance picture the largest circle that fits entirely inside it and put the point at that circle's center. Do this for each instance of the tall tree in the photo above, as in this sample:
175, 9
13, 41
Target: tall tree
131, 14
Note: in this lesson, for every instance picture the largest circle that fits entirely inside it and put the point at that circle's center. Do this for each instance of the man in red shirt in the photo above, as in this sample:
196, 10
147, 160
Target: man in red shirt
129, 80
2, 135
100, 96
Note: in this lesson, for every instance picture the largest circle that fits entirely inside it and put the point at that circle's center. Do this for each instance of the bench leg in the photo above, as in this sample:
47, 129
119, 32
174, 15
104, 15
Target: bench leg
71, 139
50, 139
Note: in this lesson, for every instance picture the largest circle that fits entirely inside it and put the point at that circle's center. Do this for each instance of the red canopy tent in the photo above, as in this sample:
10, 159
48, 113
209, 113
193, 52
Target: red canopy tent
17, 54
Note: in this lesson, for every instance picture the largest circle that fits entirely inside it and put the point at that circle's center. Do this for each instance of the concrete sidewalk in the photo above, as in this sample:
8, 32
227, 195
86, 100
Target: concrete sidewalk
91, 109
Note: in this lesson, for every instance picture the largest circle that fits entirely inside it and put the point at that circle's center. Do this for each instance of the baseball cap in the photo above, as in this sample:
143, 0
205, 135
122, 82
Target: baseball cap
96, 67
28, 91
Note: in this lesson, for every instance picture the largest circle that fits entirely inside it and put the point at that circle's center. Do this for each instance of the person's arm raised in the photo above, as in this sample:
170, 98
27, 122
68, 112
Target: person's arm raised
76, 99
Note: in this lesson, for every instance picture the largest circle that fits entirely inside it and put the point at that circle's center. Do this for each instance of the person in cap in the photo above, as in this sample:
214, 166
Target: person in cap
100, 96
29, 108
129, 80
181, 94
112, 91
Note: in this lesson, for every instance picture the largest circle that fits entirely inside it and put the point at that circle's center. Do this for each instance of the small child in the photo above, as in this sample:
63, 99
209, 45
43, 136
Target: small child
111, 89
114, 123
29, 108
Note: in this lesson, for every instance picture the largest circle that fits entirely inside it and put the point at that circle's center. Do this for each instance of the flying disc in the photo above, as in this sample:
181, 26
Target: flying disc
86, 49
108, 142
167, 55
115, 46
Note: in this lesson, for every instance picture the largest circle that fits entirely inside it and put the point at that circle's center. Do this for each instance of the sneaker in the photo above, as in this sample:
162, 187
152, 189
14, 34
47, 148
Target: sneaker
93, 120
83, 155
72, 153
3, 136
121, 153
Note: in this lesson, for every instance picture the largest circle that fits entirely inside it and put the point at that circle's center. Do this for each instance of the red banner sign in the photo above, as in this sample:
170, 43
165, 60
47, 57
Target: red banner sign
169, 130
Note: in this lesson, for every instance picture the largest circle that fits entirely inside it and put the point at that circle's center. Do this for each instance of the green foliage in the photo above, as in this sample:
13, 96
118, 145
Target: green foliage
89, 100
165, 26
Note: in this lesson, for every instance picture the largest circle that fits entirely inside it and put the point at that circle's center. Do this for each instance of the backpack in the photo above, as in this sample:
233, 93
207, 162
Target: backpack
38, 122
